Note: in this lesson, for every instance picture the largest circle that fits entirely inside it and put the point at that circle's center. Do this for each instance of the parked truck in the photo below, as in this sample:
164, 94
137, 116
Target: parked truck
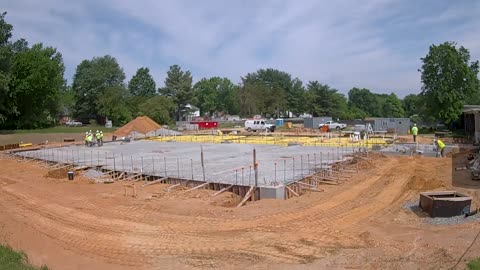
333, 125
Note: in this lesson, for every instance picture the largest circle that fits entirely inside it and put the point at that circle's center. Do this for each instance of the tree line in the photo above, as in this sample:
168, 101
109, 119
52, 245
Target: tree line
33, 91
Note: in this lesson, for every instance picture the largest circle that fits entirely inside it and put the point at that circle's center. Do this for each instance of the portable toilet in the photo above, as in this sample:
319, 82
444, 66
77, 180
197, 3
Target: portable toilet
279, 122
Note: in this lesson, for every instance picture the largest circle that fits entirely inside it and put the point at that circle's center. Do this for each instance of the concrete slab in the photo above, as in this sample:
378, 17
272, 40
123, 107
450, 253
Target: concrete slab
223, 163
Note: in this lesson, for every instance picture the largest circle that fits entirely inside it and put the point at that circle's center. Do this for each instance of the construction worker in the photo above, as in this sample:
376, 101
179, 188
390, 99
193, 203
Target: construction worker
440, 147
86, 138
90, 139
101, 138
414, 132
98, 137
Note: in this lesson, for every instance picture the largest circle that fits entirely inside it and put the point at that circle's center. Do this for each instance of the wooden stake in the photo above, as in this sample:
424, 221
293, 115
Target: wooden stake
172, 187
154, 182
197, 187
247, 196
291, 190
222, 190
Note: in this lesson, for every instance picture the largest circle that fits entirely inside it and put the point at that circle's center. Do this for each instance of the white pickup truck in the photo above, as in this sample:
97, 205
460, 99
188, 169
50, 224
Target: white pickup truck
333, 125
73, 124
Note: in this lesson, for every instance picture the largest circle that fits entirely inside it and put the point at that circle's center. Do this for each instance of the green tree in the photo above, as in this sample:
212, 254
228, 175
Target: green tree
7, 96
411, 104
111, 104
206, 92
159, 108
321, 100
365, 101
142, 83
392, 107
250, 97
449, 80
90, 82
274, 90
178, 86
37, 82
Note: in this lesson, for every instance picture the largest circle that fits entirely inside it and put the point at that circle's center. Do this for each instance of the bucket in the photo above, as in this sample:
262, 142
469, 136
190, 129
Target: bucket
70, 175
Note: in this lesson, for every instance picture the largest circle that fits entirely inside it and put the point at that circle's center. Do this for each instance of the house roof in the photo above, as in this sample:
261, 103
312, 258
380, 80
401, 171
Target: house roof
471, 108
141, 124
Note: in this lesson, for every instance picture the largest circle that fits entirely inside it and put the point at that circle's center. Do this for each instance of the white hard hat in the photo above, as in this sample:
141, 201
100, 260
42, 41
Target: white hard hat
101, 131
97, 131
86, 132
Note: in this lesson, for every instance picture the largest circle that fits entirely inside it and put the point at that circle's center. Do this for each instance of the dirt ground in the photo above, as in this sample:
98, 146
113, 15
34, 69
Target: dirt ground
360, 224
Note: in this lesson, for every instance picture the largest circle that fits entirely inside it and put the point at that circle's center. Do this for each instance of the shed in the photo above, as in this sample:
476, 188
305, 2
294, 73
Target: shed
400, 126
314, 122
472, 121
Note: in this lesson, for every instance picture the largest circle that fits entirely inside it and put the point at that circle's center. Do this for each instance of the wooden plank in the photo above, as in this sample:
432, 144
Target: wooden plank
326, 178
172, 187
81, 168
326, 182
303, 184
291, 190
133, 176
222, 190
138, 179
120, 176
313, 189
154, 182
247, 196
197, 187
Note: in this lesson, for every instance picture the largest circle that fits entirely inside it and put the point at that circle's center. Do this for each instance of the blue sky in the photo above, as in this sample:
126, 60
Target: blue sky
375, 44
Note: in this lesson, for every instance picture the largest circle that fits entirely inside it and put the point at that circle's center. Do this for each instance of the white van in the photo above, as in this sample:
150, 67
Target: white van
258, 124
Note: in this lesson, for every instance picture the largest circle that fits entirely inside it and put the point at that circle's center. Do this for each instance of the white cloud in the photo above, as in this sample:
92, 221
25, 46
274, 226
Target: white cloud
376, 44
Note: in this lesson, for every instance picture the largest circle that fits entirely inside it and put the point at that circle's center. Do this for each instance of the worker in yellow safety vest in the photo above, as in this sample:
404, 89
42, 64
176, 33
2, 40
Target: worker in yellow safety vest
86, 138
90, 139
101, 138
414, 132
440, 147
98, 137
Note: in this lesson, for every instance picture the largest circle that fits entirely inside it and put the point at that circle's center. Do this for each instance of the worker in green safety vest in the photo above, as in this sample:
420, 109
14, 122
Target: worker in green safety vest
86, 138
440, 147
101, 138
414, 132
90, 139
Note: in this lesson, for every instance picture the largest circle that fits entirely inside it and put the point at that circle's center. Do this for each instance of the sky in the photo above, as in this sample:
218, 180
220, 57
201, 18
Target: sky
375, 44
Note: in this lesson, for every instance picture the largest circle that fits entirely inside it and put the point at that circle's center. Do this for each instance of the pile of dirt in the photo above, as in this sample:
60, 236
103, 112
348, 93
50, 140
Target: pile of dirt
419, 183
141, 124
226, 199
60, 173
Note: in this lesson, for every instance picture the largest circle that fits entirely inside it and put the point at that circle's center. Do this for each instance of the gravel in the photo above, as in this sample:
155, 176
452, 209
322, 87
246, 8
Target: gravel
424, 217
93, 174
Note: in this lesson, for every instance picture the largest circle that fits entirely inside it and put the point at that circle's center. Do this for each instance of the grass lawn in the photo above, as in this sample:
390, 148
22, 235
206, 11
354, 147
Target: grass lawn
474, 265
60, 129
13, 260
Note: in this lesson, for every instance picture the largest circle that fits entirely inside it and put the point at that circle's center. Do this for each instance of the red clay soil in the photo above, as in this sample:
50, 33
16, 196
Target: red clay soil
141, 124
360, 224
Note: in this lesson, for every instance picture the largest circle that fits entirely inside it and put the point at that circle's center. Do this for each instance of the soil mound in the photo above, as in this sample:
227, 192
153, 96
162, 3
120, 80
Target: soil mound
141, 124
419, 183
60, 173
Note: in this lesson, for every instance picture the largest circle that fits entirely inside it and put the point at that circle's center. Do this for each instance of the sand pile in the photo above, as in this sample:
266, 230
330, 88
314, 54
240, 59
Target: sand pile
60, 173
419, 183
141, 124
